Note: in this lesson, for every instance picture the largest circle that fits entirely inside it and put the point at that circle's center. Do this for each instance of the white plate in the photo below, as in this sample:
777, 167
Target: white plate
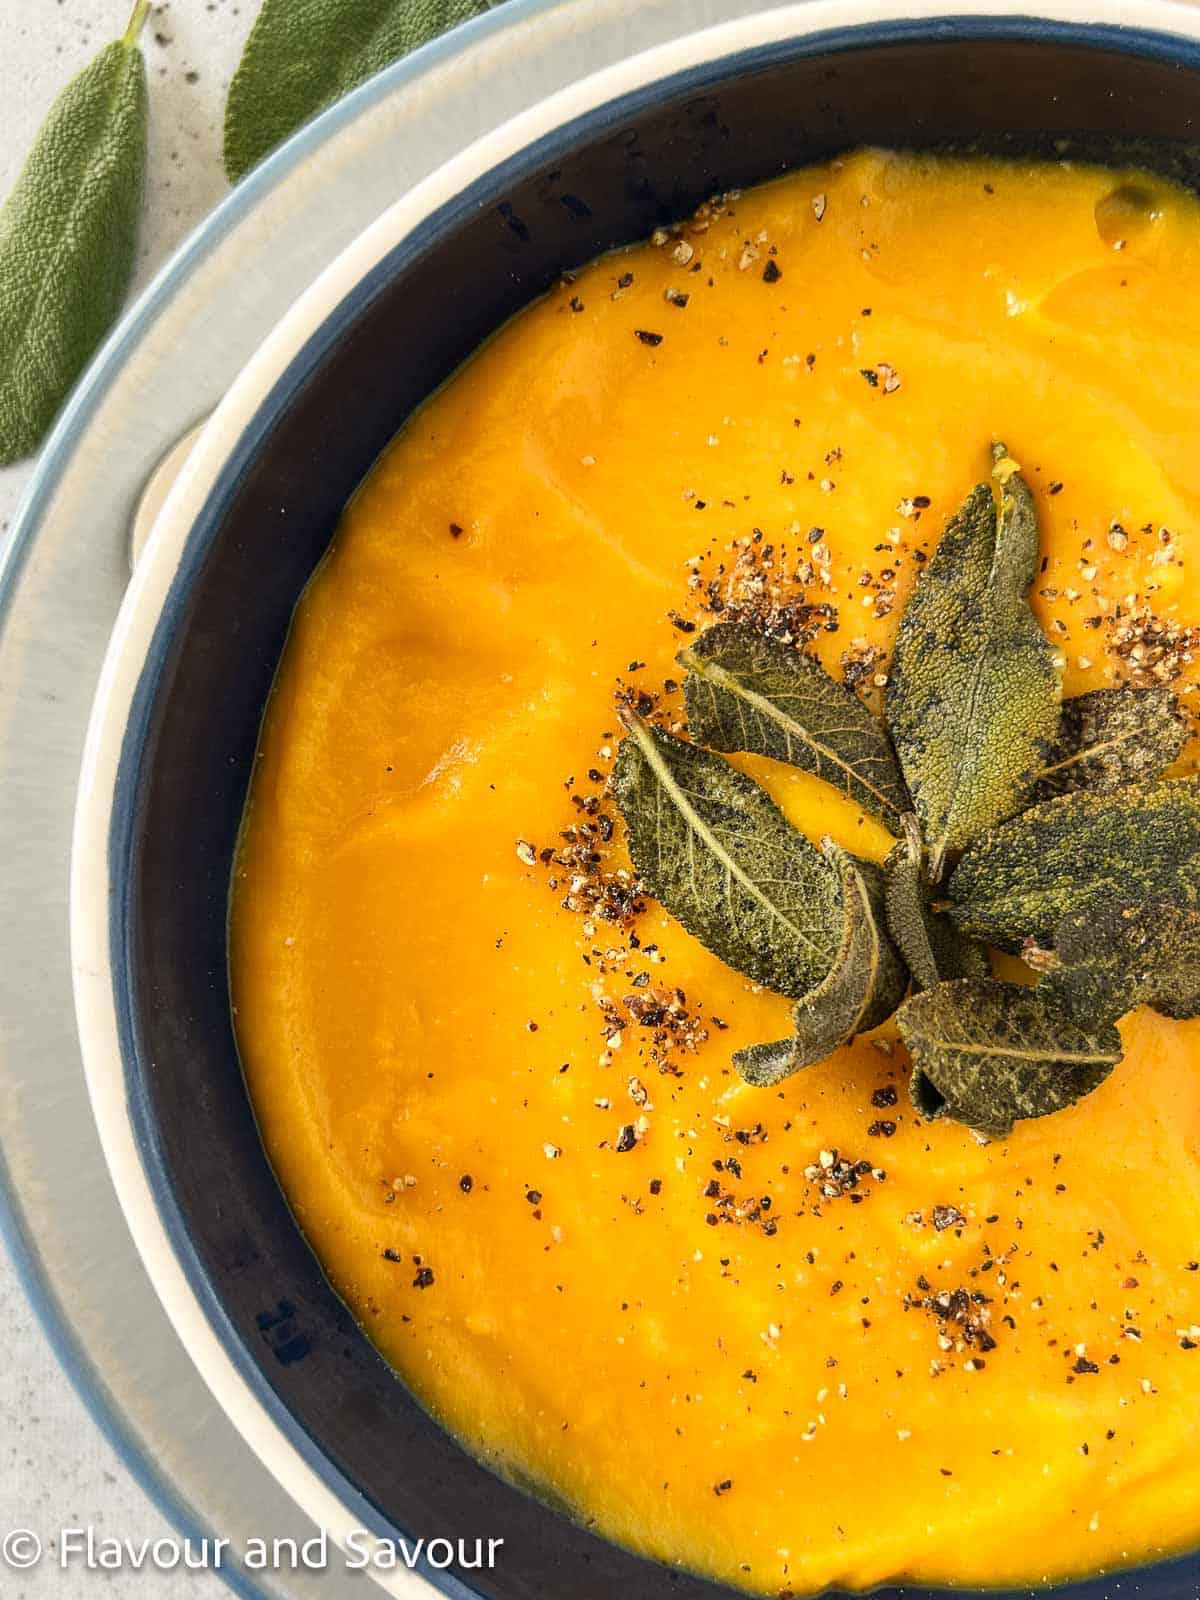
175, 357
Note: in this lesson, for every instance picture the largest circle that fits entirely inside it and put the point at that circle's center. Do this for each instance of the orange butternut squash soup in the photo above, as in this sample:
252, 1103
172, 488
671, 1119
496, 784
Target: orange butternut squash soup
899, 455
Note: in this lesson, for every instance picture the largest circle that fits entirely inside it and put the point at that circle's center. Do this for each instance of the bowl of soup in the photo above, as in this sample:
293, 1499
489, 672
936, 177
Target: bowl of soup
412, 1044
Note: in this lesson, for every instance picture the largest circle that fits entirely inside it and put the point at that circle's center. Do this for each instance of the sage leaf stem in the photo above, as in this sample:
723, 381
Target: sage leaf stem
926, 938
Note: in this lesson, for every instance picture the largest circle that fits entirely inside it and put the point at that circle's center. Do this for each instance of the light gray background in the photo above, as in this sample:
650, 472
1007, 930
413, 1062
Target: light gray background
56, 1469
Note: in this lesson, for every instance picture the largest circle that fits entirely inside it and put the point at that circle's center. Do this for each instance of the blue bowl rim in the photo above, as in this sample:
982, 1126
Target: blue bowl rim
1175, 49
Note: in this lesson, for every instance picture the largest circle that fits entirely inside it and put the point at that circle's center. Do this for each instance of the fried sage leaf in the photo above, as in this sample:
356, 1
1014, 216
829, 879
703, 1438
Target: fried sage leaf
974, 688
713, 847
994, 1053
929, 942
68, 238
1076, 854
764, 1065
1116, 957
747, 692
862, 988
302, 55
1111, 737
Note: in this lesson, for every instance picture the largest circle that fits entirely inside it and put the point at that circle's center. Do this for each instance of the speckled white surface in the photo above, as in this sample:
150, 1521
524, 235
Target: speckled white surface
56, 1470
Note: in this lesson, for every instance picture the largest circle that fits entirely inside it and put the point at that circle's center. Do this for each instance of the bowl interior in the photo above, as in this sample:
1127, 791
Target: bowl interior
605, 180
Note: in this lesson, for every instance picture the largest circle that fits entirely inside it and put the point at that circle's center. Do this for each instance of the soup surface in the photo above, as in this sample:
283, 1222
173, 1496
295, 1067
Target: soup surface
496, 1083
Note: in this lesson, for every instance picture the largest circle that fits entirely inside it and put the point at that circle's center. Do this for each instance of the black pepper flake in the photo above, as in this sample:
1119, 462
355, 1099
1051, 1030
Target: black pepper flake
723, 1487
947, 1217
466, 1183
392, 1255
886, 1096
627, 1138
882, 1130
961, 1315
772, 272
534, 1196
1083, 1365
870, 375
455, 530
682, 623
646, 337
424, 1278
655, 1185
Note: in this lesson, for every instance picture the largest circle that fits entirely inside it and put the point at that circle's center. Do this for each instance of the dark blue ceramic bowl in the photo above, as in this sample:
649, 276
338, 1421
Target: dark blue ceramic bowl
174, 732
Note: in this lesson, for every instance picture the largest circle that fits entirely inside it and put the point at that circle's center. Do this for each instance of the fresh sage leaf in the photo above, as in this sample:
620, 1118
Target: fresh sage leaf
973, 691
717, 852
302, 55
68, 236
747, 692
1116, 957
931, 945
1076, 854
996, 1052
863, 986
1111, 737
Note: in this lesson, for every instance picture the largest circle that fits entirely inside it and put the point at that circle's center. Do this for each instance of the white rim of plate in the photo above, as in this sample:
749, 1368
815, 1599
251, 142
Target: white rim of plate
141, 609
